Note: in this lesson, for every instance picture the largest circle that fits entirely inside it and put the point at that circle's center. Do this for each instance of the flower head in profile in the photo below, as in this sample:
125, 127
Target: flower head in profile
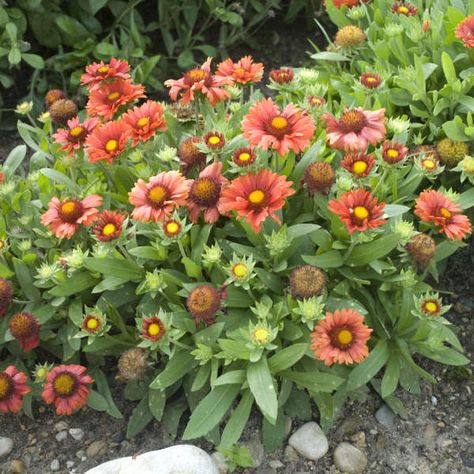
316, 101
107, 142
358, 210
282, 76
341, 337
203, 302
465, 31
143, 121
109, 225
436, 208
421, 248
205, 194
67, 386
156, 200
393, 152
72, 137
52, 96
6, 294
12, 389
97, 73
266, 126
64, 217
256, 196
244, 71
358, 164
25, 328
200, 80
403, 8
356, 129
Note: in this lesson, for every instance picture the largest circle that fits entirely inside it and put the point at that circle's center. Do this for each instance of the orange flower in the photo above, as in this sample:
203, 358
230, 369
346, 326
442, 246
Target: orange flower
358, 210
96, 73
76, 133
106, 100
108, 226
433, 206
67, 387
107, 141
144, 120
348, 3
12, 389
465, 31
370, 80
156, 200
282, 76
200, 80
359, 164
267, 127
25, 328
243, 157
256, 196
242, 72
64, 217
341, 337
403, 8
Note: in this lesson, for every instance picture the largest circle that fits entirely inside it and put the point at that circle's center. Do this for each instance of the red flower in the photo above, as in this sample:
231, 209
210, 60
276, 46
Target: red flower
433, 206
144, 120
108, 226
106, 100
282, 76
256, 196
403, 8
64, 217
370, 80
358, 210
96, 73
214, 140
67, 387
107, 141
242, 72
341, 337
25, 328
393, 152
243, 157
316, 100
267, 127
200, 80
153, 329
12, 389
359, 164
348, 3
74, 136
2, 177
465, 31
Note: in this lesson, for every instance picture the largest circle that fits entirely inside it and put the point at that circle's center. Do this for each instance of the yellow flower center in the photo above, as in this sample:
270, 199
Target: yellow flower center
154, 329
109, 229
76, 131
256, 197
92, 323
5, 386
445, 213
41, 373
68, 208
113, 96
244, 156
2, 244
214, 140
111, 145
359, 167
261, 335
103, 70
204, 188
142, 122
361, 212
157, 194
391, 153
279, 122
431, 307
344, 336
240, 270
239, 70
316, 100
172, 227
64, 384
430, 164
403, 10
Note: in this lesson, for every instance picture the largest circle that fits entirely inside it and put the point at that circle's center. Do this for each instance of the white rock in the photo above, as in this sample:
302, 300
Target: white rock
61, 426
310, 441
220, 462
76, 433
54, 465
349, 459
61, 436
179, 459
6, 446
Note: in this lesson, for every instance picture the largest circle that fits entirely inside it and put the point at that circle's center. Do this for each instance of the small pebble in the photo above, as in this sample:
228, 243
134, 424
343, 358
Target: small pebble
434, 400
17, 467
349, 459
310, 441
61, 436
76, 433
81, 454
275, 464
61, 426
220, 462
54, 465
385, 416
97, 448
69, 464
6, 446
256, 450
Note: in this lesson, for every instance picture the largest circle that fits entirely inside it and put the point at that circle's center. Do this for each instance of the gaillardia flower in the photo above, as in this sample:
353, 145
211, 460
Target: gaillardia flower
465, 31
241, 72
306, 281
358, 210
172, 228
370, 80
319, 176
282, 76
393, 152
152, 328
96, 73
214, 140
64, 217
109, 225
265, 126
421, 249
435, 207
203, 302
451, 152
6, 293
190, 155
403, 8
93, 323
72, 137
62, 110
341, 337
107, 141
358, 164
25, 328
12, 389
144, 120
156, 200
356, 129
243, 157
316, 100
67, 387
349, 36
256, 196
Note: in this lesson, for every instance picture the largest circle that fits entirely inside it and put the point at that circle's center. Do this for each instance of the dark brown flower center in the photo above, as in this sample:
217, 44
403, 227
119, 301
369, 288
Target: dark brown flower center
352, 121
65, 384
205, 191
70, 210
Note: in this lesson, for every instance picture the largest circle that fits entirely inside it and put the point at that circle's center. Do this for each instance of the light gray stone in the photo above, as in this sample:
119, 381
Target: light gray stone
349, 459
97, 448
77, 433
61, 436
6, 446
385, 416
61, 426
182, 459
310, 441
275, 464
55, 466
220, 462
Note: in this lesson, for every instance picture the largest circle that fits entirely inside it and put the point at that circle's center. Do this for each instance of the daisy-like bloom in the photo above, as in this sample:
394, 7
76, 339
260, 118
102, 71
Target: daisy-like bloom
349, 36
433, 206
108, 226
92, 324
72, 137
451, 152
243, 157
172, 228
25, 328
256, 196
421, 249
403, 8
205, 194
62, 110
267, 127
107, 141
203, 302
96, 73
358, 210
190, 155
106, 100
316, 100
359, 164
282, 76
214, 140
341, 337
393, 152
67, 387
52, 96
6, 294
370, 80
319, 176
306, 281
241, 72
64, 217
200, 80
152, 328
12, 389
156, 200
356, 129
465, 31
144, 120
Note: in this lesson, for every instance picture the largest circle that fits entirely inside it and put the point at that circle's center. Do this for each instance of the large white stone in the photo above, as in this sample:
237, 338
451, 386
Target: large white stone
180, 459
310, 441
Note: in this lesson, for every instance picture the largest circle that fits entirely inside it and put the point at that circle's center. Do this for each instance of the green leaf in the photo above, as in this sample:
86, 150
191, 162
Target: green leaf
329, 259
273, 435
466, 200
78, 282
147, 252
448, 68
58, 177
96, 401
391, 375
14, 160
104, 390
314, 381
231, 377
309, 156
34, 60
236, 424
119, 268
287, 357
392, 210
177, 367
156, 403
365, 253
25, 280
140, 418
329, 56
